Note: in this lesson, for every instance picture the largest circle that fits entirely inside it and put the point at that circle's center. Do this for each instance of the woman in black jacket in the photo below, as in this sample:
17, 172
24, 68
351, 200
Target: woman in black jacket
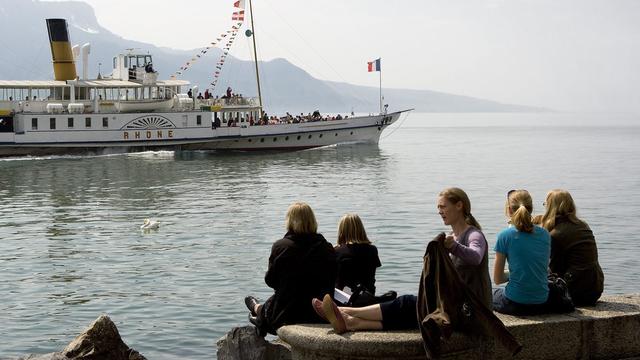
357, 257
302, 266
574, 254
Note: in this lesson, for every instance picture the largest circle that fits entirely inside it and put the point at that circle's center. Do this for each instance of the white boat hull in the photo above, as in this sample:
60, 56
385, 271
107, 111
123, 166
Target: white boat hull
130, 135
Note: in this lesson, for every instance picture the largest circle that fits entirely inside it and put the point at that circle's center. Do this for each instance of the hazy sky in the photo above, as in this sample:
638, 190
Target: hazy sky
575, 55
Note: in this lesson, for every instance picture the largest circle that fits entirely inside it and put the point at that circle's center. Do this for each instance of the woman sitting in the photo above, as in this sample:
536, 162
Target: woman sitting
526, 247
302, 266
469, 252
357, 257
574, 255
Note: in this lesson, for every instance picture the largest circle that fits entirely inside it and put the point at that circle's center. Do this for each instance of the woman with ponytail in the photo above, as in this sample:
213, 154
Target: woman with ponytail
466, 243
526, 247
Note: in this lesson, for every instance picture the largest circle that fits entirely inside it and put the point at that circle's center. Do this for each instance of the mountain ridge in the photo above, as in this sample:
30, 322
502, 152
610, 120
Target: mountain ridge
285, 87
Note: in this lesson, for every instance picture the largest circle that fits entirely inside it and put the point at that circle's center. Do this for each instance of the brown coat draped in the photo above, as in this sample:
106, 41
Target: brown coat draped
446, 304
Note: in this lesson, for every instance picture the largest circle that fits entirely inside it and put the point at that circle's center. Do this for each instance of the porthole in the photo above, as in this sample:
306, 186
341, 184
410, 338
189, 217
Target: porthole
275, 139
262, 140
351, 133
336, 134
249, 140
298, 137
286, 138
310, 136
320, 135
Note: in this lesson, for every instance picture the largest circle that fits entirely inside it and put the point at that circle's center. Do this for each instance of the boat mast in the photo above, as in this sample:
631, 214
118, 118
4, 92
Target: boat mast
255, 56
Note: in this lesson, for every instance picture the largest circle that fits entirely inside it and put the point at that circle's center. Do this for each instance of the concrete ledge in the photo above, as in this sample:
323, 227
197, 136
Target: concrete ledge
610, 330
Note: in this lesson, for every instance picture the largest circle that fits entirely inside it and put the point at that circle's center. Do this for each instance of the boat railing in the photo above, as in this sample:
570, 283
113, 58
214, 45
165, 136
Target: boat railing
232, 101
62, 106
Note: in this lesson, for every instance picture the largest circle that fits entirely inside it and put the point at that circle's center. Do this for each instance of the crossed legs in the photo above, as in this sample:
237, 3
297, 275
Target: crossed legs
364, 318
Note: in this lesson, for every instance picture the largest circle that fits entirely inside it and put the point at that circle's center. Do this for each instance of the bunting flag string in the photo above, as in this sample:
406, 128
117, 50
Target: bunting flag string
229, 36
225, 53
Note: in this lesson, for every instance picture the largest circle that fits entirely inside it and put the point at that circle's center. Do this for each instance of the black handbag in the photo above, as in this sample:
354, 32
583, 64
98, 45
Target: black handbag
559, 300
363, 297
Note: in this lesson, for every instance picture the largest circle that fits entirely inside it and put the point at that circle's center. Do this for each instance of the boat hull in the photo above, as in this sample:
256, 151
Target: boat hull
365, 129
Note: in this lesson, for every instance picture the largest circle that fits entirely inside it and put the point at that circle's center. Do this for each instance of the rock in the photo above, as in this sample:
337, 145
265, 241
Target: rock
100, 340
244, 343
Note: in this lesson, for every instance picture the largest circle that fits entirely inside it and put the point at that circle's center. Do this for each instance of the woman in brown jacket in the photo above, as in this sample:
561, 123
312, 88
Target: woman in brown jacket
574, 254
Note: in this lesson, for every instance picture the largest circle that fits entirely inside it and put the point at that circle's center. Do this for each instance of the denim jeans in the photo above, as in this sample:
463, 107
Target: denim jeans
502, 304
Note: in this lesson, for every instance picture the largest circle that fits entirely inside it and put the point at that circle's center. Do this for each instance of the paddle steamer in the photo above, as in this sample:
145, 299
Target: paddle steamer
132, 110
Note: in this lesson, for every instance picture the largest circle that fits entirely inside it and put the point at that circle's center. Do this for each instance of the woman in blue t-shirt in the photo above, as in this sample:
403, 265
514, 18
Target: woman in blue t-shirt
527, 248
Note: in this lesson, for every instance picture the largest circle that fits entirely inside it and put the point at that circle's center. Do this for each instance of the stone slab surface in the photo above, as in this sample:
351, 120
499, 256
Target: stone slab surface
610, 330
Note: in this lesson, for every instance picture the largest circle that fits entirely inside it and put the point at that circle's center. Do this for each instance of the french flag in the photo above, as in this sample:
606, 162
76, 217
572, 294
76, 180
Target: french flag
374, 65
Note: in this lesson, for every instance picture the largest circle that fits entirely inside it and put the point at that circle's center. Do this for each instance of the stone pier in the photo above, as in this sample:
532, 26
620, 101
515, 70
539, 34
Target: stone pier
609, 330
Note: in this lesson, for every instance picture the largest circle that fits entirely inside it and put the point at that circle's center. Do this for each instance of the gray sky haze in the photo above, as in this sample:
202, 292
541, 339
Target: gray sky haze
572, 55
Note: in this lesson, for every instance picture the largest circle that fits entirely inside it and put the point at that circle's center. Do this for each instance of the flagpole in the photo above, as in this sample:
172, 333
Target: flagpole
255, 55
380, 85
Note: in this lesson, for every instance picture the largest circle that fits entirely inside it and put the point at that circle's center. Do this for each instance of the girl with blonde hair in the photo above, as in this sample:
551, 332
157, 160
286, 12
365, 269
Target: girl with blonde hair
526, 247
574, 254
302, 266
357, 258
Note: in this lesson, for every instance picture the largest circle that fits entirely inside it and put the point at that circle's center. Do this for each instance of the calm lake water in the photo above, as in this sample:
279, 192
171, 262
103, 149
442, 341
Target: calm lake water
71, 248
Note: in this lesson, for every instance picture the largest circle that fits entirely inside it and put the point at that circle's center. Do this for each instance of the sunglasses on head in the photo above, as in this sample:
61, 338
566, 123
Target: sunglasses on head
510, 192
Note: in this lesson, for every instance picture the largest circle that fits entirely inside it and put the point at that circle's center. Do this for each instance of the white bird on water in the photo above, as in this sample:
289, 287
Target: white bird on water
150, 225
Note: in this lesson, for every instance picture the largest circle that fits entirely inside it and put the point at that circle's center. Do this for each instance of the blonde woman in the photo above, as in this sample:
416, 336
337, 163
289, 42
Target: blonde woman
357, 257
302, 266
574, 254
526, 247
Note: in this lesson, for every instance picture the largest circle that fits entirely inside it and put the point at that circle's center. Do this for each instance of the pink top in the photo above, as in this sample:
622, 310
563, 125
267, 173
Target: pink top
473, 253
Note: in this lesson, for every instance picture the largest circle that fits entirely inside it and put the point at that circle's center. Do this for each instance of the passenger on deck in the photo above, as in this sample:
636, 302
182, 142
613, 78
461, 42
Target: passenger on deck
190, 94
469, 251
302, 266
229, 92
200, 97
206, 94
216, 123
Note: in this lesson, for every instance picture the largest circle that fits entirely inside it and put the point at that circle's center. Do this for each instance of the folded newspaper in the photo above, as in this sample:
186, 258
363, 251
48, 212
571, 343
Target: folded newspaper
341, 296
